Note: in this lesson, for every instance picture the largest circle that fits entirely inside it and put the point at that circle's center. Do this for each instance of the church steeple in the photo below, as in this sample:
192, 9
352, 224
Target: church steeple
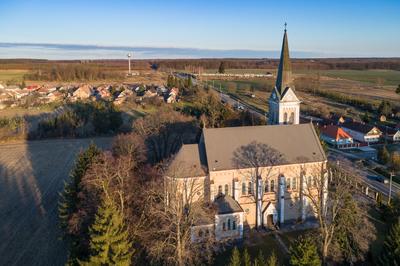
284, 75
284, 106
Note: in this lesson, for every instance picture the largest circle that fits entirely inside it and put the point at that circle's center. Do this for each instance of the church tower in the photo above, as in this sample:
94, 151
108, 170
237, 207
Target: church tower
284, 106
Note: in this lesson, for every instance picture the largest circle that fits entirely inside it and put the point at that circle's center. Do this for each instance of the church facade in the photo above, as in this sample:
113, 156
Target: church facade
255, 176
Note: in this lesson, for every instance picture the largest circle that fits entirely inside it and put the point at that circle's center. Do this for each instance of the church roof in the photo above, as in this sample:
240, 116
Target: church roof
188, 162
295, 143
284, 75
226, 204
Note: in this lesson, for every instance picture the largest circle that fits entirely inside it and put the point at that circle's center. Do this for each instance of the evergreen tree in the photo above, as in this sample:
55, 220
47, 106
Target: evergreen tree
235, 257
385, 108
395, 161
366, 118
68, 201
383, 155
391, 248
272, 260
246, 258
304, 253
189, 82
259, 261
109, 241
221, 68
398, 89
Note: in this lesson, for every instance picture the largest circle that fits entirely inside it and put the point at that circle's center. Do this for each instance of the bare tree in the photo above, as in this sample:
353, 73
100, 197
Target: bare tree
164, 132
329, 194
172, 211
258, 159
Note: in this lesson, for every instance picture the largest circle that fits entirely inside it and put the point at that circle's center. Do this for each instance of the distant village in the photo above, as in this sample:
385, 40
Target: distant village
14, 95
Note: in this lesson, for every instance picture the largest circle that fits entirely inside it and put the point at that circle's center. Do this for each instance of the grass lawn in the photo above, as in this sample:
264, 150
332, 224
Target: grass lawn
16, 75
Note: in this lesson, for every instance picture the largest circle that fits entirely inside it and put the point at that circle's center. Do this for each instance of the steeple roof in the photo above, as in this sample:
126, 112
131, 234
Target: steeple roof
284, 76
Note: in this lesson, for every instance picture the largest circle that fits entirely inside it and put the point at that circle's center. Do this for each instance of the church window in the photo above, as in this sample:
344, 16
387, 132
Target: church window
294, 183
223, 226
266, 187
314, 182
229, 224
285, 118
288, 183
226, 189
243, 188
272, 185
250, 189
291, 118
220, 190
234, 225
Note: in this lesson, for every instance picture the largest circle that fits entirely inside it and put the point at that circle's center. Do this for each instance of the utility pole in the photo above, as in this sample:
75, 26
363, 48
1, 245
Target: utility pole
390, 187
129, 64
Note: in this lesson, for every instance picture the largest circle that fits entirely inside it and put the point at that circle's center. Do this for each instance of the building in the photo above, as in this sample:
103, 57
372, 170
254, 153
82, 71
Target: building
363, 133
269, 193
284, 106
337, 137
390, 134
83, 92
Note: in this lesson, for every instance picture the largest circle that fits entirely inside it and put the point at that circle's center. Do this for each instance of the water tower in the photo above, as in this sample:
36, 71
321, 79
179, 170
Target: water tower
129, 63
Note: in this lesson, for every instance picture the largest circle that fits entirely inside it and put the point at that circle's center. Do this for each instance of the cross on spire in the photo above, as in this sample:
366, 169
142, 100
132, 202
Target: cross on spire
285, 25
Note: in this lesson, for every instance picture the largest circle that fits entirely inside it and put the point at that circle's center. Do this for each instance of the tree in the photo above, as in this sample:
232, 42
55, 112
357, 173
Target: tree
214, 110
330, 197
221, 68
109, 240
395, 161
260, 260
366, 117
398, 89
70, 201
304, 252
272, 260
383, 155
235, 257
189, 82
246, 258
385, 108
258, 159
391, 247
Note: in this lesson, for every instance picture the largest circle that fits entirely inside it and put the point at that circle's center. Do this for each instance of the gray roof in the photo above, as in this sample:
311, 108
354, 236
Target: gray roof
284, 75
295, 143
188, 162
226, 204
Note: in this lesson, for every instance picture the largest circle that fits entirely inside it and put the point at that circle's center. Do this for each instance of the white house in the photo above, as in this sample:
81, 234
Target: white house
362, 132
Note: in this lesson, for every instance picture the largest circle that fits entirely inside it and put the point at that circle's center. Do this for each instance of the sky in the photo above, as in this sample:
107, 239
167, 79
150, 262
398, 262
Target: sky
351, 28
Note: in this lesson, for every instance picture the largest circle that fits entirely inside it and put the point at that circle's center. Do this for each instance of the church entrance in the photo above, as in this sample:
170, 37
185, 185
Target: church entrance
270, 221
270, 216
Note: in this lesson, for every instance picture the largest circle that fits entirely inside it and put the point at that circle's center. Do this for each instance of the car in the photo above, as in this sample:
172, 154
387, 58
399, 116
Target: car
240, 107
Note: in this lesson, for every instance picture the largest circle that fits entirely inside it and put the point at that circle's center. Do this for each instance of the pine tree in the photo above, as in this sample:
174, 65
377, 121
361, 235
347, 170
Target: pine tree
304, 252
221, 68
68, 201
109, 241
391, 248
272, 260
259, 261
235, 257
246, 258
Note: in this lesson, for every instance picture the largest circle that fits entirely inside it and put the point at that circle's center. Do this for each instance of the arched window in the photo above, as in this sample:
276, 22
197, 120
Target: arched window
229, 224
223, 226
272, 184
291, 118
219, 190
244, 188
294, 183
288, 183
266, 187
226, 189
285, 118
234, 225
250, 189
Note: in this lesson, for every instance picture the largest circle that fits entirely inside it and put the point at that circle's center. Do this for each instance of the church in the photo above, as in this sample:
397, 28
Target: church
255, 176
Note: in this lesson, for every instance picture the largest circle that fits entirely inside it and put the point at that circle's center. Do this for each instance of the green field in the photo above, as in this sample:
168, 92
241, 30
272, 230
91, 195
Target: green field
379, 77
12, 75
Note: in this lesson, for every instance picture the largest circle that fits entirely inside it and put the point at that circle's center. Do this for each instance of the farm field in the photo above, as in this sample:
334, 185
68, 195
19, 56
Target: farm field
31, 176
12, 74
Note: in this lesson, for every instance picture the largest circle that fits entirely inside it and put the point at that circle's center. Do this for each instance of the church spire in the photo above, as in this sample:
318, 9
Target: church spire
284, 76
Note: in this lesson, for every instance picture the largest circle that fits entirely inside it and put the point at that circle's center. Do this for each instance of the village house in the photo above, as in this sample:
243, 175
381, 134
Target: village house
337, 137
173, 93
270, 194
363, 133
83, 92
54, 96
390, 134
104, 92
152, 92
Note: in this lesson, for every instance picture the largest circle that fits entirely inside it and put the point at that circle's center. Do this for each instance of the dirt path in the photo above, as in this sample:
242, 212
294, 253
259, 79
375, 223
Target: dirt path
31, 176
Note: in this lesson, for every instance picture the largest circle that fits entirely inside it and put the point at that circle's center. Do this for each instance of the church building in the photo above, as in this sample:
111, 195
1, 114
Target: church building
255, 176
